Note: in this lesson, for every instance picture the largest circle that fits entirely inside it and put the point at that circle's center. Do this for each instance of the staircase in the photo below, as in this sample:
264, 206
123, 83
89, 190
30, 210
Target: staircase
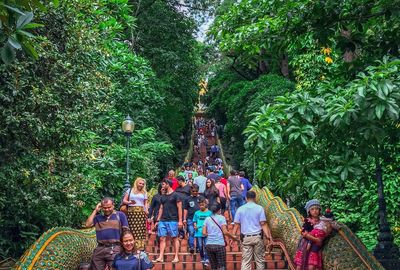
274, 260
66, 248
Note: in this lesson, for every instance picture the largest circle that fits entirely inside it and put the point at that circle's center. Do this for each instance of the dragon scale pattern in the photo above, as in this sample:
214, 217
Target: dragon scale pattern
66, 248
343, 250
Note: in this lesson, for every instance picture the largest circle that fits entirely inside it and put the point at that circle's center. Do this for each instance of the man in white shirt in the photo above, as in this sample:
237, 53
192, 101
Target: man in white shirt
201, 182
251, 219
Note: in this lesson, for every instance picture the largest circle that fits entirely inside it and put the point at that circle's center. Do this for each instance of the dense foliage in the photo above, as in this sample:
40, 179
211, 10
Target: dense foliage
175, 57
61, 145
329, 144
233, 101
326, 138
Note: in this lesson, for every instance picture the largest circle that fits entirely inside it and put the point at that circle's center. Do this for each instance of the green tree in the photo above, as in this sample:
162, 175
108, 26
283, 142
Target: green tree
61, 144
174, 55
16, 24
310, 145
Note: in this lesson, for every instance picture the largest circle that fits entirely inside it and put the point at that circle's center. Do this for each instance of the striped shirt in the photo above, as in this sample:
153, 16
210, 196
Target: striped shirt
108, 229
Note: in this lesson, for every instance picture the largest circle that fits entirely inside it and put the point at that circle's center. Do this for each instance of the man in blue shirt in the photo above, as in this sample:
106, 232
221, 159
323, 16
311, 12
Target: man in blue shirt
246, 184
251, 219
109, 226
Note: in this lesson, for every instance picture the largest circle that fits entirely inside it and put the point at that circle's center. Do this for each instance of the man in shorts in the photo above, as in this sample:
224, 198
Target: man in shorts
169, 220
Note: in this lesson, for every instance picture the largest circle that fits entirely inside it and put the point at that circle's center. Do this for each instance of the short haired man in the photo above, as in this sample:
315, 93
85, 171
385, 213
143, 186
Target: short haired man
201, 182
109, 226
246, 184
235, 188
169, 219
191, 205
183, 191
253, 224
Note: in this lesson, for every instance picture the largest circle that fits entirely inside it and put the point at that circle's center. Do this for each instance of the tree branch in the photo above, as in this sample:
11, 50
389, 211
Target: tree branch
237, 71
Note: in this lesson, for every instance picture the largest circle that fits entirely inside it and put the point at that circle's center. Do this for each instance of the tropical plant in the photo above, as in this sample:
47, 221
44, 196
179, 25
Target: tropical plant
310, 144
16, 25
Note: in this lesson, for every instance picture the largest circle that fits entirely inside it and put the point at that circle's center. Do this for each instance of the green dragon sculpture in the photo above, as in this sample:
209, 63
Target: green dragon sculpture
343, 250
59, 248
66, 248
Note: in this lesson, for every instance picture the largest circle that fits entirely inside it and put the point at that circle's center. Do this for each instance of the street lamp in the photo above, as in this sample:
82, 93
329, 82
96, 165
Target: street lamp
386, 251
127, 127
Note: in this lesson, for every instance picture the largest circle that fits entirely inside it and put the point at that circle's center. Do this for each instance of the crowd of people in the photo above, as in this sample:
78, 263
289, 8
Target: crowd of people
193, 205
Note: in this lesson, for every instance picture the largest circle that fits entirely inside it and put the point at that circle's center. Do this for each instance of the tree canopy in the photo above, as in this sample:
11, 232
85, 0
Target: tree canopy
61, 145
326, 136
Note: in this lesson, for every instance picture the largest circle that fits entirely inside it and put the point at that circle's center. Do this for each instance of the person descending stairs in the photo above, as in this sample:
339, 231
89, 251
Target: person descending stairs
205, 138
273, 260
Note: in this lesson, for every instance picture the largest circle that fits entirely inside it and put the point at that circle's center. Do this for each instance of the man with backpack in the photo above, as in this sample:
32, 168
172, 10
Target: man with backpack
109, 226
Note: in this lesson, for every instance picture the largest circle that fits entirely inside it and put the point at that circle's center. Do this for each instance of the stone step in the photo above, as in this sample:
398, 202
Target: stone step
230, 265
230, 256
185, 248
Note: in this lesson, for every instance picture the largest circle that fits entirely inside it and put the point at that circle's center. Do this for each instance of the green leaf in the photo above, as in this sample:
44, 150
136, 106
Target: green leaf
24, 19
25, 33
344, 173
28, 48
16, 10
32, 25
361, 91
379, 109
14, 43
56, 3
7, 54
304, 140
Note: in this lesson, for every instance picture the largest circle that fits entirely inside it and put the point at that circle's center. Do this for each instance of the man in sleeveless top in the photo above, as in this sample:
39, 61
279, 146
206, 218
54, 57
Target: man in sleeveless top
109, 226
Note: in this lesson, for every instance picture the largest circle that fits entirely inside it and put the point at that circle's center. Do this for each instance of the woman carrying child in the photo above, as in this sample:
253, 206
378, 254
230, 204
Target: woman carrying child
315, 230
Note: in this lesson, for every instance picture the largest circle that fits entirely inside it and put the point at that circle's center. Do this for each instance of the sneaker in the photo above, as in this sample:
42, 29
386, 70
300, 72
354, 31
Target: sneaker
232, 223
203, 261
191, 250
206, 263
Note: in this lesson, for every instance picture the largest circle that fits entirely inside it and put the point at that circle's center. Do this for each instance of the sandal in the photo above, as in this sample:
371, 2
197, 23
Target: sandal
158, 260
175, 261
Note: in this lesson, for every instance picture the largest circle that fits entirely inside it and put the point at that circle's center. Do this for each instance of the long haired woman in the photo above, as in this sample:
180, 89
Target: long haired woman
211, 193
129, 258
136, 199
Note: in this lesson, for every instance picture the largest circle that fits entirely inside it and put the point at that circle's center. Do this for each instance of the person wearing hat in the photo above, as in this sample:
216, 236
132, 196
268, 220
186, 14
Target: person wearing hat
315, 230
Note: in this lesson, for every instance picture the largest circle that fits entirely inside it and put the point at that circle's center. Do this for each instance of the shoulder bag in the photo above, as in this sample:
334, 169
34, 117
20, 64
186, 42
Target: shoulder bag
124, 207
216, 223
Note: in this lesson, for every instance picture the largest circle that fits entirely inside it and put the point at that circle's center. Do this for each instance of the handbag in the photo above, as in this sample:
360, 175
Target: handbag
226, 244
124, 207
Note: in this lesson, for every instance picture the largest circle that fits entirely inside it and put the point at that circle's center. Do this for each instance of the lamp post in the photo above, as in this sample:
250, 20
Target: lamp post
127, 127
386, 251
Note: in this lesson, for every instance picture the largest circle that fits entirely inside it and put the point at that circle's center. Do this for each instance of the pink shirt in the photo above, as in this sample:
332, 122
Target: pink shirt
220, 188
